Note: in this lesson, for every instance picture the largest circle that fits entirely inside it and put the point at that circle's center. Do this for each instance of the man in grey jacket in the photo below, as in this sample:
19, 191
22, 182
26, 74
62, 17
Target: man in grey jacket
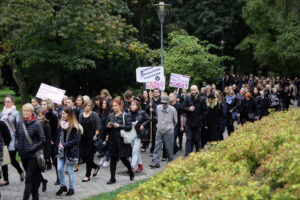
167, 120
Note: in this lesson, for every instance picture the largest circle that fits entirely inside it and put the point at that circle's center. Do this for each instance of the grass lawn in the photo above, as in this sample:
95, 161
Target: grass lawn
112, 195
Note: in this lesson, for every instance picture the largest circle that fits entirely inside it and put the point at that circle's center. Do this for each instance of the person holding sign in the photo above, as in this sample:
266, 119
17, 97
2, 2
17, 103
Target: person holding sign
195, 108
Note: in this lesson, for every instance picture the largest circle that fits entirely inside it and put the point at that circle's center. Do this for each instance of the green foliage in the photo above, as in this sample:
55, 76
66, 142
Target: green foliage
189, 56
258, 161
275, 37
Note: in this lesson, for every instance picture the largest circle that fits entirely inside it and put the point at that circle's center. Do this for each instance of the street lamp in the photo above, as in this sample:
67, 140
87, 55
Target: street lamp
162, 10
222, 48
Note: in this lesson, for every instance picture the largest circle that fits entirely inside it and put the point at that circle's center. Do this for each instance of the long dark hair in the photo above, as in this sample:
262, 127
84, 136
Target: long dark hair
105, 111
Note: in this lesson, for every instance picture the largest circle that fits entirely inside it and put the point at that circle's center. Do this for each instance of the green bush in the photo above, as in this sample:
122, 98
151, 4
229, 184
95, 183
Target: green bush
260, 160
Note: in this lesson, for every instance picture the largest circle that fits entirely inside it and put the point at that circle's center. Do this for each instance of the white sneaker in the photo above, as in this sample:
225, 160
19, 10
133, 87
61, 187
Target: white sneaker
106, 164
102, 160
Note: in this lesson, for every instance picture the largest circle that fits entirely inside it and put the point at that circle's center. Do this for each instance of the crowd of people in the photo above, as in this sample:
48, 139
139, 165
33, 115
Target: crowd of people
71, 133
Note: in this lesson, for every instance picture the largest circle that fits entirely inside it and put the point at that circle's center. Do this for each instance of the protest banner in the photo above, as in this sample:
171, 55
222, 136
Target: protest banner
47, 91
149, 74
179, 81
157, 85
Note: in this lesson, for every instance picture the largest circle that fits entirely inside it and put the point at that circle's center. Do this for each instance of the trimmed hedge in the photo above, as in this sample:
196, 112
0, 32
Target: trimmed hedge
260, 160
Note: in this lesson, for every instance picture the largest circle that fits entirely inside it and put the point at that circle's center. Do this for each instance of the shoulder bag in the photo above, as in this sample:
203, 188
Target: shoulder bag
6, 157
128, 136
39, 154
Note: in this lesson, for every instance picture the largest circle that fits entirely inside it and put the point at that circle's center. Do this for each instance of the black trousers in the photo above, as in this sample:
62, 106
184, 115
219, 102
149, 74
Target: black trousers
33, 178
54, 160
113, 166
14, 162
90, 164
87, 151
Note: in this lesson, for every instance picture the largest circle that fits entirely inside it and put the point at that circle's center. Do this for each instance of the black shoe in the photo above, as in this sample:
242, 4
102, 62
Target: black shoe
70, 192
61, 190
96, 171
57, 182
86, 180
111, 181
132, 177
163, 159
48, 166
4, 184
44, 185
153, 165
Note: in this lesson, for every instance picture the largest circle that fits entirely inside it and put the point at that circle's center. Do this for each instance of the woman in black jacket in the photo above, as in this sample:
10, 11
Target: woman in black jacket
27, 151
263, 104
117, 148
104, 111
90, 122
230, 104
40, 114
141, 120
248, 110
48, 106
67, 148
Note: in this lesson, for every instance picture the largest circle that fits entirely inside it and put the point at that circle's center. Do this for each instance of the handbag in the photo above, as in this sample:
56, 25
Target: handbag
100, 145
128, 136
39, 154
5, 154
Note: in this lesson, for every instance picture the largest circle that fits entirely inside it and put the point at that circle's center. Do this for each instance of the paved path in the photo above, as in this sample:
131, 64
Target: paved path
14, 191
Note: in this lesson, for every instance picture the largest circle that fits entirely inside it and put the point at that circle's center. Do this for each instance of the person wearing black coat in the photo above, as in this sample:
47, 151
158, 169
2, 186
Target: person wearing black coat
248, 110
231, 102
117, 148
91, 124
263, 104
274, 100
195, 108
67, 149
47, 105
213, 119
141, 121
27, 151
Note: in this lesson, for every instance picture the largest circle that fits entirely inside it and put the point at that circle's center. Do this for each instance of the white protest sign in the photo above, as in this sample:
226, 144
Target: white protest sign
157, 85
149, 74
179, 81
46, 91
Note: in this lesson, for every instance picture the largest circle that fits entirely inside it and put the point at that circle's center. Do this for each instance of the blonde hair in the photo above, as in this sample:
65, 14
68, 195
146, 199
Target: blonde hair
50, 105
28, 107
71, 119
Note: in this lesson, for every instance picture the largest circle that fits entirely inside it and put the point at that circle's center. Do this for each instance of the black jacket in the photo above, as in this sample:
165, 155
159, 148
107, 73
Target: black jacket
53, 122
37, 135
142, 119
213, 120
194, 119
47, 145
71, 145
116, 145
247, 107
262, 106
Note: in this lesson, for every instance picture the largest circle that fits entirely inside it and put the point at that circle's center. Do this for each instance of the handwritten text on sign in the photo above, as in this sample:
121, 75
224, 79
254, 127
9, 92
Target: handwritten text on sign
157, 85
149, 74
46, 91
179, 81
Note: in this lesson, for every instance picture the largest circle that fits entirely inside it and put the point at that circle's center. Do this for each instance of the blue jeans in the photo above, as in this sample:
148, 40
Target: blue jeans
61, 173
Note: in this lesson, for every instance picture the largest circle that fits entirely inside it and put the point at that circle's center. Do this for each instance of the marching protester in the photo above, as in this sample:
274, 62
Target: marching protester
142, 121
40, 114
247, 111
67, 149
274, 100
79, 106
91, 124
11, 117
29, 131
128, 95
230, 103
104, 94
47, 105
167, 120
105, 109
117, 121
180, 120
213, 119
263, 103
195, 108
145, 138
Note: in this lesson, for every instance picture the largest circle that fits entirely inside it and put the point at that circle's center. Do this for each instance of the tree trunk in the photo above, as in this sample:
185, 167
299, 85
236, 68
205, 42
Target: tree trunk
20, 80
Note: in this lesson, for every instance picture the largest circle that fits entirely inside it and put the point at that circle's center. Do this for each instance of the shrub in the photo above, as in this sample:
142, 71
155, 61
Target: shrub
260, 160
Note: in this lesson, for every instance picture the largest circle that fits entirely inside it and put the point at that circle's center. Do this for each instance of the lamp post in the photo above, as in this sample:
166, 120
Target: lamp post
222, 49
162, 10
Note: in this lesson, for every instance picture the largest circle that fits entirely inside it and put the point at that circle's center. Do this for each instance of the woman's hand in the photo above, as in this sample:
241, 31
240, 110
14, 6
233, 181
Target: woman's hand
60, 146
95, 138
107, 138
142, 128
116, 125
109, 125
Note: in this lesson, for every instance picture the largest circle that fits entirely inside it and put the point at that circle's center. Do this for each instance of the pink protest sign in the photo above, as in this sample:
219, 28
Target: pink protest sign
49, 92
157, 85
179, 81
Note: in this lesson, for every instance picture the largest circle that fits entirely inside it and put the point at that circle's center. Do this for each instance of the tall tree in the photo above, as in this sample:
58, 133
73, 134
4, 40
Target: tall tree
275, 36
